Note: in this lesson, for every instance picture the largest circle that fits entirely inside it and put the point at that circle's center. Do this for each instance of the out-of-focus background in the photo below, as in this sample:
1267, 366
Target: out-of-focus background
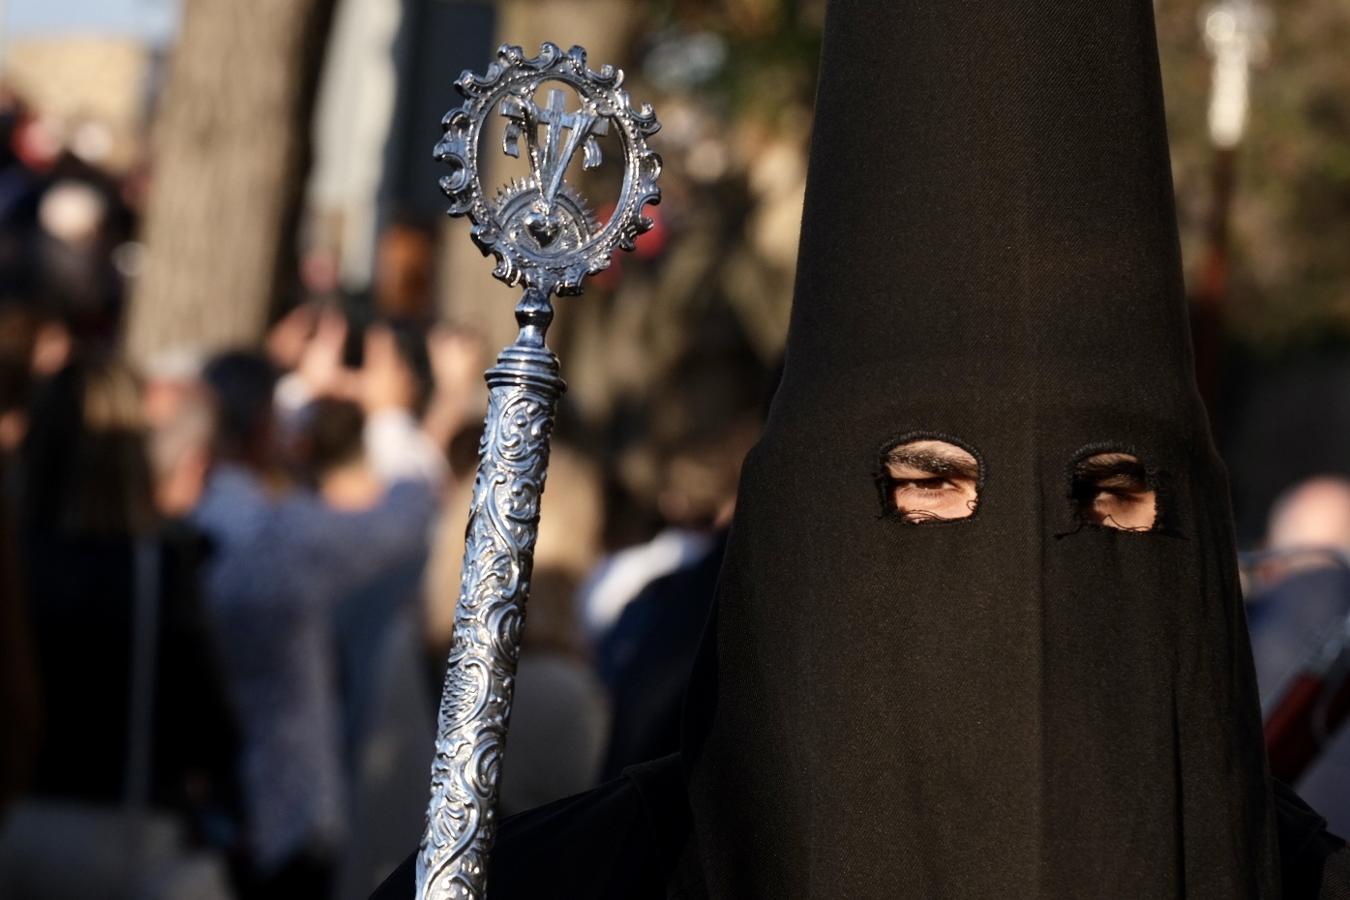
241, 350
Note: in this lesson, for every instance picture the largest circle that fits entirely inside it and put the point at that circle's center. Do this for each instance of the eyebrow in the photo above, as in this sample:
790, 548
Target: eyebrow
933, 463
1113, 470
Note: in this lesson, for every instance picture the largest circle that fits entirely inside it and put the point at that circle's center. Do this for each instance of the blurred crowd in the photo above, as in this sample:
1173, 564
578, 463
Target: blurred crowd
229, 578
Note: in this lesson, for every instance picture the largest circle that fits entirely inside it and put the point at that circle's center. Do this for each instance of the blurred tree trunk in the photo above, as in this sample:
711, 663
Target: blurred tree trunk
230, 153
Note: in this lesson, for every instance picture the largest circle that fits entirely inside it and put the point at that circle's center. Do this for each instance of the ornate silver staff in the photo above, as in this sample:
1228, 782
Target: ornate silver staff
545, 238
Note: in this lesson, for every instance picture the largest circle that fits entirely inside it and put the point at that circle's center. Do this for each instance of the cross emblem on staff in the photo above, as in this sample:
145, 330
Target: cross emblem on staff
550, 162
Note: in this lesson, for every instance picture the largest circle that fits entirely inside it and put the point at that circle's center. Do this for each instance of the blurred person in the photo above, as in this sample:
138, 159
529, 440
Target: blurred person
87, 497
289, 338
285, 559
20, 192
320, 347
81, 219
454, 420
1313, 513
391, 753
618, 578
89, 530
335, 455
345, 481
1299, 604
179, 417
19, 708
19, 700
405, 269
459, 397
19, 704
18, 328
172, 382
386, 724
33, 347
646, 660
687, 463
27, 361
709, 412
390, 658
1302, 580
71, 215
978, 631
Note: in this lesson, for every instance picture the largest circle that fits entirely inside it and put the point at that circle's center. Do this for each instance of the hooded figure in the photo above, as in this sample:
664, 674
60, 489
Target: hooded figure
979, 631
1023, 701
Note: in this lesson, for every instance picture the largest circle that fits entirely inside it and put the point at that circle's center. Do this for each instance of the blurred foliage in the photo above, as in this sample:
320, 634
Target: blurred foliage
1290, 266
675, 346
734, 82
1290, 227
772, 49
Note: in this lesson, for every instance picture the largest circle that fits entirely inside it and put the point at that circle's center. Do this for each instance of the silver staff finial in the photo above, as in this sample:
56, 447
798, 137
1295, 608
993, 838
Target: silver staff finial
545, 237
540, 229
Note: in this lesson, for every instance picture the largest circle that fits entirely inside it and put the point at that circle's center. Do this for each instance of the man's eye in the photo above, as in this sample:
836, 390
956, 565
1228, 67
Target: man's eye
930, 500
1113, 490
931, 480
931, 485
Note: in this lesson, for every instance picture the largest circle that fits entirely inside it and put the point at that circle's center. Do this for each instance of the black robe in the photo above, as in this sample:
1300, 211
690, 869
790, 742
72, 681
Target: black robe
630, 839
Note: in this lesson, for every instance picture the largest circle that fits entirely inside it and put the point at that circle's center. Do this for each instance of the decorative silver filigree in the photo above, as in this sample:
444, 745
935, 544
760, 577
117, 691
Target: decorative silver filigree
498, 557
536, 233
544, 235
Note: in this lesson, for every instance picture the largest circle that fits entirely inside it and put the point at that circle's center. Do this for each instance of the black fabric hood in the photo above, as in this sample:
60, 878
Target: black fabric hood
1016, 704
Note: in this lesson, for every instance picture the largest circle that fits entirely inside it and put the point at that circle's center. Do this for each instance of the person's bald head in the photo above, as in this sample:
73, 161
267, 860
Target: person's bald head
1312, 513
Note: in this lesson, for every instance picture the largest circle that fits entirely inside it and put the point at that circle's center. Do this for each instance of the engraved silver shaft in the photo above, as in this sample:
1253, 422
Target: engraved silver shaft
475, 708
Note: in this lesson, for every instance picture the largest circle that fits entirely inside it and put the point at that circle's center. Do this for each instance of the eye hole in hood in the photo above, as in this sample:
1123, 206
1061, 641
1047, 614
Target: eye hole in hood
1113, 489
926, 479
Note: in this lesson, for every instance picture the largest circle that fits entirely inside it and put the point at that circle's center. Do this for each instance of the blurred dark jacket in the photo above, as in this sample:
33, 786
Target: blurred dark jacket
79, 592
646, 658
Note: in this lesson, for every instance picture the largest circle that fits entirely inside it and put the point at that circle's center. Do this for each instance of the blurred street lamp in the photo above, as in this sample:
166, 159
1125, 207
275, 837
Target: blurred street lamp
1236, 35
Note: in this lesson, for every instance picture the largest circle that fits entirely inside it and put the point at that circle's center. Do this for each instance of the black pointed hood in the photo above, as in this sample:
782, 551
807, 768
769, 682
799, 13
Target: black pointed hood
1019, 703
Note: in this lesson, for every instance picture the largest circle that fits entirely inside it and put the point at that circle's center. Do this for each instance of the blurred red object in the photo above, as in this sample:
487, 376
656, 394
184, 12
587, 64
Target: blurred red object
649, 245
1309, 713
36, 143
